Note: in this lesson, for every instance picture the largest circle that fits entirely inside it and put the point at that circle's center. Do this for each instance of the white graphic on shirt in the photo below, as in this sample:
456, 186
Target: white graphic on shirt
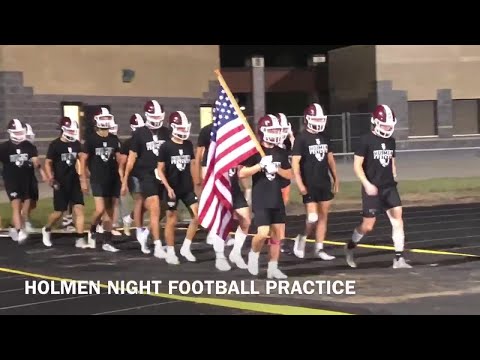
19, 158
180, 161
104, 152
70, 157
319, 150
272, 176
383, 156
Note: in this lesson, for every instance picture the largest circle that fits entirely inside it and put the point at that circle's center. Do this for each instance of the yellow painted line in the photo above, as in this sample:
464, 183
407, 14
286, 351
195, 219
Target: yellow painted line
233, 304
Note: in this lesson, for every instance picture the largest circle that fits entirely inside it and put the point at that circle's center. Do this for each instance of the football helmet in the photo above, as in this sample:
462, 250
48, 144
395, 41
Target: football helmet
314, 118
103, 119
384, 121
154, 114
114, 129
17, 131
270, 130
286, 126
136, 121
180, 125
30, 135
70, 129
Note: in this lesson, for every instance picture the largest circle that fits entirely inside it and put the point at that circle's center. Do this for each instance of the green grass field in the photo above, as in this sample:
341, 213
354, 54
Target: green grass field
413, 192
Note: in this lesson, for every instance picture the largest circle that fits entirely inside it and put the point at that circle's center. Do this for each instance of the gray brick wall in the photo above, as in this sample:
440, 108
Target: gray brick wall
43, 111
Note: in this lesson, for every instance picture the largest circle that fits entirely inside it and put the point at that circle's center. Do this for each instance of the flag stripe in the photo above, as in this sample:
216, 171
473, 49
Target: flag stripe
230, 145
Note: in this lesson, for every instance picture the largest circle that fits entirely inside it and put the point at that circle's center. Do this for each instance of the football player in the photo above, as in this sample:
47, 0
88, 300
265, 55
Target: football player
175, 172
313, 163
142, 163
287, 143
136, 122
267, 202
61, 166
100, 152
374, 165
30, 205
18, 157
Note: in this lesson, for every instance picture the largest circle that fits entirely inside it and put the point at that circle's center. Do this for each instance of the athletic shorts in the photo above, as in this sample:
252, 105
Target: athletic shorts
68, 194
188, 200
18, 190
316, 195
134, 185
267, 217
151, 186
108, 190
387, 198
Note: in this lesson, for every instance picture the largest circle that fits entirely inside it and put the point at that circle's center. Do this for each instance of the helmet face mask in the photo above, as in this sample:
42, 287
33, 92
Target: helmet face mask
384, 121
17, 131
70, 129
314, 118
180, 125
154, 114
270, 130
103, 119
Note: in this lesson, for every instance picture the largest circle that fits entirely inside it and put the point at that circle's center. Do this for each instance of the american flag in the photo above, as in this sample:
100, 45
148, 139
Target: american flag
230, 145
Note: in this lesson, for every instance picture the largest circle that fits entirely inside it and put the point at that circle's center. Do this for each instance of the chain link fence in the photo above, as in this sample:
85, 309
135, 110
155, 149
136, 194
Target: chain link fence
343, 129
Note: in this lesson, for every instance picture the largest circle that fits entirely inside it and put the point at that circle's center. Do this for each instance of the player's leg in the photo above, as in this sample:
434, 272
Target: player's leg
244, 221
263, 222
322, 224
276, 238
60, 205
191, 202
98, 198
286, 194
371, 206
169, 232
393, 204
310, 223
150, 192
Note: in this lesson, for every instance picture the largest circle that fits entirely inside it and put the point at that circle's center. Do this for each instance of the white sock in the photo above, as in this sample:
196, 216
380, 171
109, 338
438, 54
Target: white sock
319, 246
187, 243
240, 237
218, 244
356, 236
399, 242
158, 243
170, 250
272, 265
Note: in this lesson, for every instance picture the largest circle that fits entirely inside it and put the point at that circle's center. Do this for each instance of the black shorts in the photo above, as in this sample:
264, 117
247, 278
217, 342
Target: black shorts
188, 200
108, 190
238, 200
267, 217
68, 194
387, 198
19, 189
316, 195
151, 186
134, 185
33, 189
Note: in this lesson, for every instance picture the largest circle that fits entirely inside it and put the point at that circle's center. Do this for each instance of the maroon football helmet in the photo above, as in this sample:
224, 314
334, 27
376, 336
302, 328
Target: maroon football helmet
70, 130
103, 119
180, 125
17, 131
314, 118
154, 114
136, 121
384, 121
270, 130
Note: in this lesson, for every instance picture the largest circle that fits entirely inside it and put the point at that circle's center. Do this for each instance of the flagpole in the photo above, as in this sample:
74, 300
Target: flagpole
239, 112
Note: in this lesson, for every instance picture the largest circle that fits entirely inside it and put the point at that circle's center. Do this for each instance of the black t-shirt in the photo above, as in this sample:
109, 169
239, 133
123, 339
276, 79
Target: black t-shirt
102, 162
177, 159
146, 144
314, 168
126, 146
64, 157
233, 175
17, 160
287, 146
378, 154
267, 189
204, 141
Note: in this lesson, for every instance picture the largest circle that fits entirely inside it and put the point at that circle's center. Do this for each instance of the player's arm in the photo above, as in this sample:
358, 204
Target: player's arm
132, 158
83, 157
358, 170
394, 168
37, 164
297, 173
285, 169
49, 170
198, 164
162, 176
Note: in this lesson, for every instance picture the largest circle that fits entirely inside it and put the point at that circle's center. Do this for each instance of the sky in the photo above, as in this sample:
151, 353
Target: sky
275, 55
